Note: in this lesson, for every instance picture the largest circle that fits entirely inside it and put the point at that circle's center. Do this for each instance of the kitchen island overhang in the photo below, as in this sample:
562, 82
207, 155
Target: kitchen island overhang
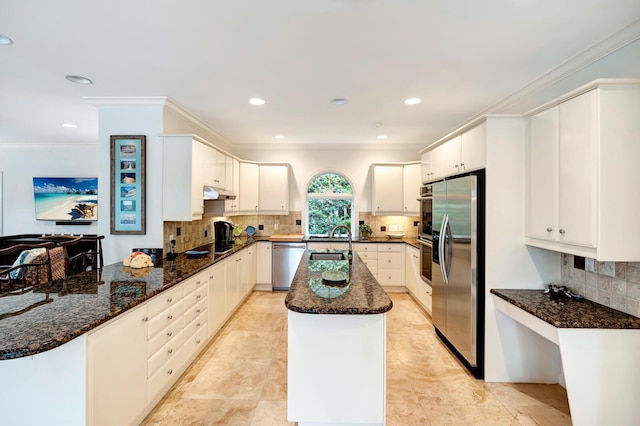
336, 345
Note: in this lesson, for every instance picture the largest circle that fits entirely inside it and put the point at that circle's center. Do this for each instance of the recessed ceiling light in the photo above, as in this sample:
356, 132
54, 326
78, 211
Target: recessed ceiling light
78, 79
256, 101
5, 40
279, 136
382, 137
339, 101
413, 101
70, 125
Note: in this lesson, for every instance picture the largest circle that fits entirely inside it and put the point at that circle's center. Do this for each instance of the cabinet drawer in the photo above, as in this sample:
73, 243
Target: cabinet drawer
166, 375
191, 313
394, 248
194, 344
162, 337
389, 276
172, 315
164, 300
164, 354
368, 255
390, 260
194, 297
194, 283
324, 245
365, 247
372, 264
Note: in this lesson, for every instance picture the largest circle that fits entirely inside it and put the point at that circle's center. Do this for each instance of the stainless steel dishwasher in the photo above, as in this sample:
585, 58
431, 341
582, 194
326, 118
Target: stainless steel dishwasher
285, 260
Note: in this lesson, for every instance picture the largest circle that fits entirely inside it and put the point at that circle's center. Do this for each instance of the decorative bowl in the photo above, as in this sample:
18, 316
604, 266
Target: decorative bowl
395, 234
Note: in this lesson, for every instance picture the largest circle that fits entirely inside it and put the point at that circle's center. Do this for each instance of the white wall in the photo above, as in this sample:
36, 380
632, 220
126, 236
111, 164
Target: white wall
19, 164
309, 161
131, 119
511, 354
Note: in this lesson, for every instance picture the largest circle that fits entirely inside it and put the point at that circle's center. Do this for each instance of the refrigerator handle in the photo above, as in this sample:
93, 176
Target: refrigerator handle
441, 245
448, 245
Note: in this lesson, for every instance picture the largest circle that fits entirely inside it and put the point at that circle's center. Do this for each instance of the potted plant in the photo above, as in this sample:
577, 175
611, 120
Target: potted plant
365, 231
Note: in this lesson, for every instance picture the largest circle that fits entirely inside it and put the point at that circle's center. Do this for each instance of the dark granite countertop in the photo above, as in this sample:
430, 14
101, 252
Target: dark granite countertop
362, 295
53, 314
568, 313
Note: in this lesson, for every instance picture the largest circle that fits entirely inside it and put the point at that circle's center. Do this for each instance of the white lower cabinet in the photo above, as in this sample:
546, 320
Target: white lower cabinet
418, 288
369, 255
264, 263
217, 307
391, 264
117, 379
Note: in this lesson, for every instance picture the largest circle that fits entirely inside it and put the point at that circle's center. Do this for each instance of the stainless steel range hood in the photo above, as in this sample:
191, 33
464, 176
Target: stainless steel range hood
214, 193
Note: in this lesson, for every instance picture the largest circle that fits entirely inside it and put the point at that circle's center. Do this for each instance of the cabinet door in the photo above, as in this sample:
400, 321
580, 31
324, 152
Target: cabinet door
182, 179
450, 153
436, 163
412, 254
473, 149
425, 166
248, 188
578, 171
232, 283
231, 207
209, 160
542, 176
217, 308
387, 189
250, 266
264, 262
117, 360
273, 194
411, 183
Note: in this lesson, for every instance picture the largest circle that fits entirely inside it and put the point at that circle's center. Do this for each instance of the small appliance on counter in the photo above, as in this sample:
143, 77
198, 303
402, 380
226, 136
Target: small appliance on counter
223, 234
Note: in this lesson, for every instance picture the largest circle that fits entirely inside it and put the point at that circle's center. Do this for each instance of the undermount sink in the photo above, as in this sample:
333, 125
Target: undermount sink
327, 256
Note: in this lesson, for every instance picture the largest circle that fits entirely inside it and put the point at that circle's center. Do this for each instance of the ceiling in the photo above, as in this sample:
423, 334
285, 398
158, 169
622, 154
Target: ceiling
462, 58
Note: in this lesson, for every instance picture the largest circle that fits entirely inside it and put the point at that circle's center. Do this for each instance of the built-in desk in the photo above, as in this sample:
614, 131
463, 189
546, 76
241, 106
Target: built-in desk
599, 348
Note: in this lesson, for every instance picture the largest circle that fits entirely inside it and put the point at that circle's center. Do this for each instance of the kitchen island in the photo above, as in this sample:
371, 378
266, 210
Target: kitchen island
598, 346
336, 343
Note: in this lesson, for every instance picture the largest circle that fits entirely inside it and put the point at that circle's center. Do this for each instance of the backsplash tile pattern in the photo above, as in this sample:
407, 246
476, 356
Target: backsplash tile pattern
402, 223
613, 284
192, 233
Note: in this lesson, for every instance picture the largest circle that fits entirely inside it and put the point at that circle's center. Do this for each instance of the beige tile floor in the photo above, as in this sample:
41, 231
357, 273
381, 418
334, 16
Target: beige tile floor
241, 377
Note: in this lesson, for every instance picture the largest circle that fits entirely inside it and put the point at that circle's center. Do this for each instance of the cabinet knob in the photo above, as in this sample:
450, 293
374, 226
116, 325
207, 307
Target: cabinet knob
170, 351
145, 319
549, 229
198, 325
198, 296
170, 317
198, 311
462, 165
198, 341
562, 231
170, 372
169, 300
169, 334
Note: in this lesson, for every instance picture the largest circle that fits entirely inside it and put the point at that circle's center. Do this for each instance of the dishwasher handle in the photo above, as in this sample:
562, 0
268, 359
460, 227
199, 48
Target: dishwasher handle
289, 246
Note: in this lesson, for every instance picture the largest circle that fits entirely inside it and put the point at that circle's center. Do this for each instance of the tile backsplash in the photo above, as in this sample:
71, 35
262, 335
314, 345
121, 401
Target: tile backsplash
192, 234
613, 284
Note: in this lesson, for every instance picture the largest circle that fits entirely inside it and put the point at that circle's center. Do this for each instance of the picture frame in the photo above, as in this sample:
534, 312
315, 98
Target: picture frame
128, 186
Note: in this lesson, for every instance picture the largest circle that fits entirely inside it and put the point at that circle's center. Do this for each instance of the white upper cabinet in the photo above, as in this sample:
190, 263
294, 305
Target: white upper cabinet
395, 189
264, 188
248, 188
215, 169
273, 189
232, 207
387, 185
411, 183
462, 153
182, 178
473, 148
582, 153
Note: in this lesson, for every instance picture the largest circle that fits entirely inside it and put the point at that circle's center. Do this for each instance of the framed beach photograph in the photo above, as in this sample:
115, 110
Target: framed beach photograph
128, 191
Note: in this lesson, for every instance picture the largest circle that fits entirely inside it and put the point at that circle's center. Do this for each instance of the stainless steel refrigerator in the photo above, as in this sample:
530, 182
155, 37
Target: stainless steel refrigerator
458, 267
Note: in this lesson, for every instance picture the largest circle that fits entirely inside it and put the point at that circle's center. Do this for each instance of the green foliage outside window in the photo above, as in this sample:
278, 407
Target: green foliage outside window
332, 209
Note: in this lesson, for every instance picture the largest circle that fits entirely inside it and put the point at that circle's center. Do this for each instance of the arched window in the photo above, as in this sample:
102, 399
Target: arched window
329, 203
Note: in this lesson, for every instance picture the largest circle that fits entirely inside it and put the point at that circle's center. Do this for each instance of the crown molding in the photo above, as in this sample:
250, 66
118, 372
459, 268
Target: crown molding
99, 101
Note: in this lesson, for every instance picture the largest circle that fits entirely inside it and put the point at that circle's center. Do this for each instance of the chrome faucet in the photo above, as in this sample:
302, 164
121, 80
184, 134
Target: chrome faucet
333, 231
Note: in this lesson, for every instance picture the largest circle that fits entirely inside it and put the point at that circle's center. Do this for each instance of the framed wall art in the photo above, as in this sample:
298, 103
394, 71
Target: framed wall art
128, 206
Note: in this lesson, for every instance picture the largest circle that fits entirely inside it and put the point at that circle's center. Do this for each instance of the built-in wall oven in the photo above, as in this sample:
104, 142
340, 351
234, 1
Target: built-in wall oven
425, 234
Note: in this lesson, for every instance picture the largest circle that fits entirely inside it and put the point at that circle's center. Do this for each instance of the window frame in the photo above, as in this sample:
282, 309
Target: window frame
329, 196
